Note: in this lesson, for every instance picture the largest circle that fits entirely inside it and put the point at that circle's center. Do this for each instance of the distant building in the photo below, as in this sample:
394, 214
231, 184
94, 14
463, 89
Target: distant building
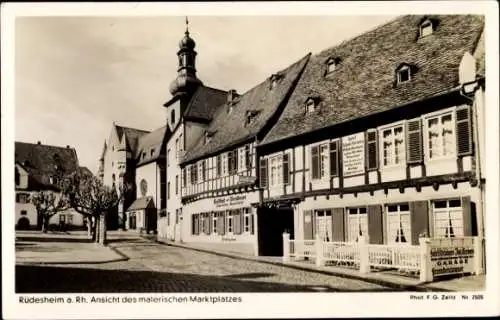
40, 167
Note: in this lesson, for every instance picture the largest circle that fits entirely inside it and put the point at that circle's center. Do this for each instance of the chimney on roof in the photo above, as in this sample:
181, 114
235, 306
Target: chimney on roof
67, 146
38, 142
231, 95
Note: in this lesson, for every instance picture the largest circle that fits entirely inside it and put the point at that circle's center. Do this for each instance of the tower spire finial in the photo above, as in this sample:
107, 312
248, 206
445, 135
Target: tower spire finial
187, 25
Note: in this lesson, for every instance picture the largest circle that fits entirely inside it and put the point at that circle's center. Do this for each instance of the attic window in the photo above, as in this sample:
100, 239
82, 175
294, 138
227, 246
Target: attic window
152, 151
251, 115
208, 136
426, 28
403, 74
144, 155
274, 80
310, 105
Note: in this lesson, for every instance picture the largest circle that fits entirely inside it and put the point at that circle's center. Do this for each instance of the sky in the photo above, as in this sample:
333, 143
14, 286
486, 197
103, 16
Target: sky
75, 76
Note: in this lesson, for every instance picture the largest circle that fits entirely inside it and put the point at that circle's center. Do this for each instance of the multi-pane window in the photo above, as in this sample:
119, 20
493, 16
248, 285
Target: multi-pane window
184, 177
168, 190
248, 157
246, 220
194, 173
393, 145
320, 161
441, 141
426, 28
448, 218
219, 165
276, 168
357, 223
224, 164
324, 224
398, 223
22, 198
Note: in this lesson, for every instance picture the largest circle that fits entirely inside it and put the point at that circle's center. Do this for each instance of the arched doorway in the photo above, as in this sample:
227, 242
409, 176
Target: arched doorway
23, 223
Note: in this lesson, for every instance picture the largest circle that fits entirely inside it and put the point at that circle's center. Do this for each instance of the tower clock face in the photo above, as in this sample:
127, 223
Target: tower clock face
144, 187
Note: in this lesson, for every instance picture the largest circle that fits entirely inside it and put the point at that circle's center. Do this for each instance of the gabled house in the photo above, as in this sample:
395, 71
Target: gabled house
219, 170
40, 167
383, 136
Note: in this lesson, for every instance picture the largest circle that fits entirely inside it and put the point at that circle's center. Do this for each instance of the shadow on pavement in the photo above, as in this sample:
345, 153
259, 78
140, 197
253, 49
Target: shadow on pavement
45, 279
52, 239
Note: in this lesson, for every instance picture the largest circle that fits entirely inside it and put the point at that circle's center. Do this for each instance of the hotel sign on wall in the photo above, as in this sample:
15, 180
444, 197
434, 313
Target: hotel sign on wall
445, 261
353, 154
229, 201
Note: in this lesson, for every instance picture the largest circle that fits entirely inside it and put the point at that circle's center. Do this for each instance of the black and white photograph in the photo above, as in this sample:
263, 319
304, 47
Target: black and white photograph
202, 156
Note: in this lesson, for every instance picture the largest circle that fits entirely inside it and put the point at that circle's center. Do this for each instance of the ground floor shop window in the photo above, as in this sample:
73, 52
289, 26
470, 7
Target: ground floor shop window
357, 222
398, 223
448, 218
323, 225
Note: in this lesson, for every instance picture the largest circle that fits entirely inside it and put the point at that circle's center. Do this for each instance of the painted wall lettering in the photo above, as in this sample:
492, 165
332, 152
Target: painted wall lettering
353, 154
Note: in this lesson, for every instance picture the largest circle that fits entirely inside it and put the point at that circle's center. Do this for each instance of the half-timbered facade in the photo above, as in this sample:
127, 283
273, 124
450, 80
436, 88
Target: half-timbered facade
389, 142
219, 173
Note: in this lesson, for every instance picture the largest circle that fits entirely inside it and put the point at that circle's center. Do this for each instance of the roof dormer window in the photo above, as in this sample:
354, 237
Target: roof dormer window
208, 136
152, 151
311, 105
426, 27
404, 73
274, 80
251, 115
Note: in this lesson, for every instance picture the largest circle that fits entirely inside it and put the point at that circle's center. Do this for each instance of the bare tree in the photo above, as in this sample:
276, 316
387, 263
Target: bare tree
48, 204
90, 197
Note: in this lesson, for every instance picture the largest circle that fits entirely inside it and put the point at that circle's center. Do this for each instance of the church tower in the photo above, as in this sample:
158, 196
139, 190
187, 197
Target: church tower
186, 82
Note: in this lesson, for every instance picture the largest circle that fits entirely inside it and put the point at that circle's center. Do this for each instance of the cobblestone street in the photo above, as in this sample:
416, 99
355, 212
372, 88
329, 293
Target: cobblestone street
154, 267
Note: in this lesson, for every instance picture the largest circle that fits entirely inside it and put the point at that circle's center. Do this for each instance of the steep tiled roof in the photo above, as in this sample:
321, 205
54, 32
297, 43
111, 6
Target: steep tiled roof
44, 161
153, 141
131, 135
86, 171
230, 128
363, 83
204, 103
140, 203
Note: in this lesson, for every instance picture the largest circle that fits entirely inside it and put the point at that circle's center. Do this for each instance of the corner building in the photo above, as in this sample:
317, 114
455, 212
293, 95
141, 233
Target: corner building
220, 193
383, 137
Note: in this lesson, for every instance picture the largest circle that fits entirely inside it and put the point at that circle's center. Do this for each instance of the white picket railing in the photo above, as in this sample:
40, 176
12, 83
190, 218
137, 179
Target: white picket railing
302, 248
406, 257
340, 252
431, 258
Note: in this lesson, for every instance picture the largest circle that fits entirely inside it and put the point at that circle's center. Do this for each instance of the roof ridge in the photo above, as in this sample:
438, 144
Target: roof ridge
124, 127
47, 145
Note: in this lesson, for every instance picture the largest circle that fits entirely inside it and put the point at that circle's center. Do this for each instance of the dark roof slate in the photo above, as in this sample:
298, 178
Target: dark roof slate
141, 203
45, 161
229, 128
364, 81
153, 141
204, 103
132, 136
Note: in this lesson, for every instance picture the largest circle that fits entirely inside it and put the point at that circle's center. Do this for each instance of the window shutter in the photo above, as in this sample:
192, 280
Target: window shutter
230, 162
235, 159
334, 159
263, 173
467, 216
210, 214
419, 217
222, 223
338, 228
414, 141
464, 132
237, 221
252, 223
286, 168
308, 225
375, 224
315, 162
219, 165
193, 223
371, 150
247, 156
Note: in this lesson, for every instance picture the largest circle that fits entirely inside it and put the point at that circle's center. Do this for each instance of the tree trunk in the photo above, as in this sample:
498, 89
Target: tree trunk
97, 229
45, 224
102, 231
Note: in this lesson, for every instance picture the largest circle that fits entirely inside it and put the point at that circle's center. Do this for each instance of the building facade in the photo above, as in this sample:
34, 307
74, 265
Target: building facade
383, 137
219, 172
39, 168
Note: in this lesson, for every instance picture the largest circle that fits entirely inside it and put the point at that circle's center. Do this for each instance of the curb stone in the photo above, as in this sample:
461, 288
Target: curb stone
394, 285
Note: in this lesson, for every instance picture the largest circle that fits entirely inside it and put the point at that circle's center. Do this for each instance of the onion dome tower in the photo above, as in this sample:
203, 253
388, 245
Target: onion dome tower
186, 81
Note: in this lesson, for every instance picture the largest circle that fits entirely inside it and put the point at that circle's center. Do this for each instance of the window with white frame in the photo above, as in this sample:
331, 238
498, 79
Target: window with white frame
440, 136
276, 168
398, 223
357, 223
246, 220
229, 222
310, 105
324, 224
426, 28
224, 164
393, 146
403, 74
448, 218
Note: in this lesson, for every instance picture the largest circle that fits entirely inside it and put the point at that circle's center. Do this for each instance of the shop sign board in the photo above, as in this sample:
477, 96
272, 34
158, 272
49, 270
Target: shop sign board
353, 154
452, 260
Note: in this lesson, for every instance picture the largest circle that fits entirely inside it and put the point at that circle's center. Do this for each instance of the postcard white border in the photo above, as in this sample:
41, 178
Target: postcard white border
267, 305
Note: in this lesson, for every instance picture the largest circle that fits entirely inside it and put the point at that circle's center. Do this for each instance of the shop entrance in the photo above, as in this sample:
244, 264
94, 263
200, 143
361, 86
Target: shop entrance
272, 222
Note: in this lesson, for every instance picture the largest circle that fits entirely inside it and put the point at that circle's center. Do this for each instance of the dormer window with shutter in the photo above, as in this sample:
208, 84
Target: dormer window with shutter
426, 28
